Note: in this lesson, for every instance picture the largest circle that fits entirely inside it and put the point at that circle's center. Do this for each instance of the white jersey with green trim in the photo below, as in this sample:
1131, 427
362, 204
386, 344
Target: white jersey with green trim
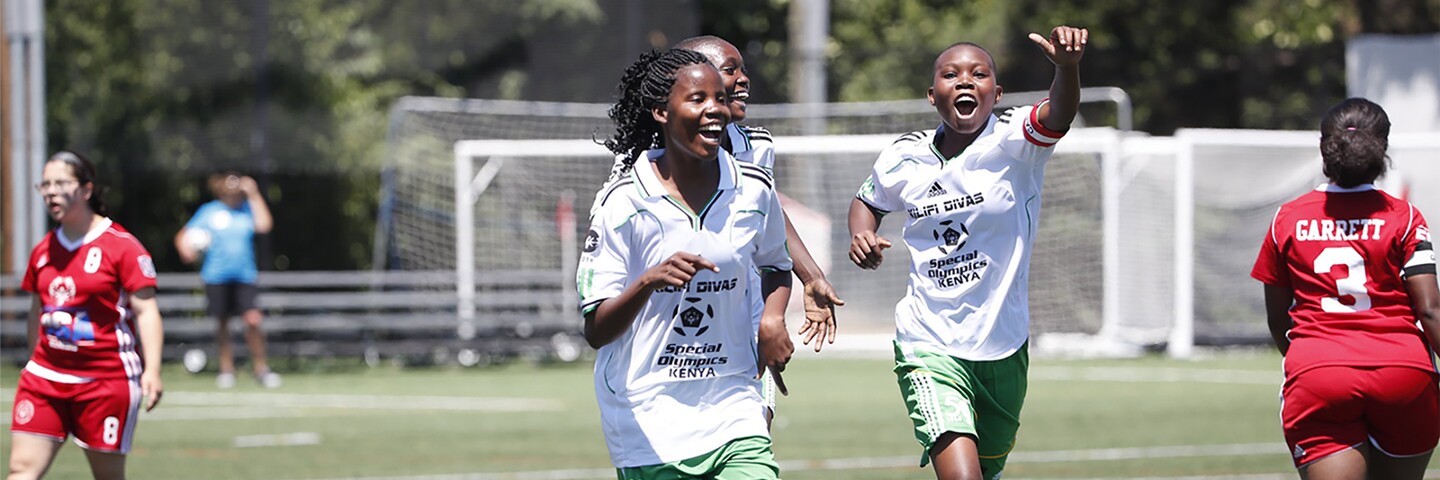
680, 381
752, 145
970, 223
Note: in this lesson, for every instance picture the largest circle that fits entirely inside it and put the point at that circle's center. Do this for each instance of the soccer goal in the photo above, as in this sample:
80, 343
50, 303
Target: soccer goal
508, 193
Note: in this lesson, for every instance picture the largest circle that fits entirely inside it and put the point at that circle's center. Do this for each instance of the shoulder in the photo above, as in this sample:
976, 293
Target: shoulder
751, 173
621, 188
43, 246
1010, 115
755, 134
116, 236
909, 149
910, 139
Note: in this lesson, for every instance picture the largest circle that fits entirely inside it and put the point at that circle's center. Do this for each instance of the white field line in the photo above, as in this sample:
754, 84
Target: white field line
277, 440
1158, 375
280, 405
913, 461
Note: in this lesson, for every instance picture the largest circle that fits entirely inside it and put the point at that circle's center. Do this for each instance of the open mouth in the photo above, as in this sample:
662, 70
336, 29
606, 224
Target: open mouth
966, 105
712, 132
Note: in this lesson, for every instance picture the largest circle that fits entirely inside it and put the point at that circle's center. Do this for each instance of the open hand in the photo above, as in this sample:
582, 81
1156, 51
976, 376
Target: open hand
1065, 46
820, 301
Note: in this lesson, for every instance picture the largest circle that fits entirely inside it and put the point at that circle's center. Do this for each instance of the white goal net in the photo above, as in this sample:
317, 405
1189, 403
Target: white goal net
1144, 241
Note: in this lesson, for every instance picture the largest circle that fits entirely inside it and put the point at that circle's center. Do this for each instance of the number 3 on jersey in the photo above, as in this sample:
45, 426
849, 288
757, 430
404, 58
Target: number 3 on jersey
1352, 285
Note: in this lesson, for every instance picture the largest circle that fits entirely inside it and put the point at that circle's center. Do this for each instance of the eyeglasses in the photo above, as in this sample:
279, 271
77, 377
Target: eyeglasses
61, 185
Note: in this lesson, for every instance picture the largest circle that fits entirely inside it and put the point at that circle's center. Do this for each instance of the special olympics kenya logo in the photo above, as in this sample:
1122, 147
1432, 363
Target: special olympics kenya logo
24, 412
62, 289
951, 237
691, 317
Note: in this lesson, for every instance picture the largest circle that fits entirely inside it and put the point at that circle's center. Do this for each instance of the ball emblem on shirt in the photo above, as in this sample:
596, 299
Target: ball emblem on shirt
692, 317
950, 236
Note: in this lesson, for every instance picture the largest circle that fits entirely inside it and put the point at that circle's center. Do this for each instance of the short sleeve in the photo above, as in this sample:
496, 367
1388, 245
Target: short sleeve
136, 268
1270, 266
197, 221
603, 257
1419, 253
764, 154
32, 269
1025, 137
617, 171
881, 190
771, 254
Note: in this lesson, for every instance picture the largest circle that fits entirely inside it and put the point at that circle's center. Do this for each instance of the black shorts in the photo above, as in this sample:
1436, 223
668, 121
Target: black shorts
226, 299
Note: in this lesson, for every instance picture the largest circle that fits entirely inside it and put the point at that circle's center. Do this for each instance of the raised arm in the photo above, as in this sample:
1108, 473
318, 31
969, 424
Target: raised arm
1064, 48
258, 209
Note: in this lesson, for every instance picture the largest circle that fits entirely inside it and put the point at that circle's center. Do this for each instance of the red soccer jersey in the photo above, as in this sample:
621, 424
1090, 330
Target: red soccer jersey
86, 329
1345, 253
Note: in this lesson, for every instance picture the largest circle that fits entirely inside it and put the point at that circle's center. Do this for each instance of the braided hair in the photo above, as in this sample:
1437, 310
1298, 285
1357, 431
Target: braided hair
1353, 138
646, 84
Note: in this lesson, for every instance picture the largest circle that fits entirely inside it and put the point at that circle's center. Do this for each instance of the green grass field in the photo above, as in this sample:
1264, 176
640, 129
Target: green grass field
1144, 418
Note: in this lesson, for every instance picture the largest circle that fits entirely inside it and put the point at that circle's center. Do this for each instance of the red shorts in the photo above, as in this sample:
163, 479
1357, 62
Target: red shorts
101, 414
1329, 409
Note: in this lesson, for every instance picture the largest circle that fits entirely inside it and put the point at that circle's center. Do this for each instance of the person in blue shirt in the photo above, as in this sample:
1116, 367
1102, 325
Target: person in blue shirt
222, 232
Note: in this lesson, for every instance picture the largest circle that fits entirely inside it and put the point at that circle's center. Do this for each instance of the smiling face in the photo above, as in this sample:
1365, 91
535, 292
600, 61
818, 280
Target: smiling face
693, 119
964, 90
726, 58
63, 194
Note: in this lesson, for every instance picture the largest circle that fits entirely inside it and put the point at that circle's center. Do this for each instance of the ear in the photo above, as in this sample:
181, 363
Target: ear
659, 114
930, 93
999, 92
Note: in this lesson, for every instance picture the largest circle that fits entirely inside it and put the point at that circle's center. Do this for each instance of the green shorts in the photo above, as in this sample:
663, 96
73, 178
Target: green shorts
745, 458
979, 399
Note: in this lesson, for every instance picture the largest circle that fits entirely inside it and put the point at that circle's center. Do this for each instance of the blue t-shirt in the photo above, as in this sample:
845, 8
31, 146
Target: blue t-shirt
231, 256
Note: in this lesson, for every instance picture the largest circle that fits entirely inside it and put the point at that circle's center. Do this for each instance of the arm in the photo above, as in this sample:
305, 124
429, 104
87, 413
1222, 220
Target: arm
152, 341
32, 324
263, 221
1064, 48
820, 297
1425, 301
1278, 301
774, 342
865, 244
613, 316
187, 255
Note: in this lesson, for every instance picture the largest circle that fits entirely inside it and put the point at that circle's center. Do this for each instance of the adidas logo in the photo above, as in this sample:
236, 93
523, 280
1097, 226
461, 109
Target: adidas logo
1299, 452
935, 190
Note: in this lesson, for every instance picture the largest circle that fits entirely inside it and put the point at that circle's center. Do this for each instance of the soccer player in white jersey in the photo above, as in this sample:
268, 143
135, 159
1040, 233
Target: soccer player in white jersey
969, 192
754, 145
666, 285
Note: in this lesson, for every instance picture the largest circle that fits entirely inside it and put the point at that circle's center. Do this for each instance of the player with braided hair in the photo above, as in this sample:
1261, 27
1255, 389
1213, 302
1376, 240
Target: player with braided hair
667, 285
1348, 271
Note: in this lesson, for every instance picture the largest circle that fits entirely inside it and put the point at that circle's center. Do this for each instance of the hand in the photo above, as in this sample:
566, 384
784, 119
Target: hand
775, 349
820, 302
865, 250
249, 186
151, 388
675, 271
1072, 40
